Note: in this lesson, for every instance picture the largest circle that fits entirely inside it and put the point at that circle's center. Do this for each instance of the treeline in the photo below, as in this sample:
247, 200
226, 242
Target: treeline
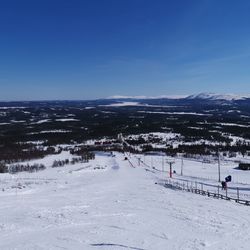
12, 169
87, 150
7, 166
25, 152
200, 149
82, 159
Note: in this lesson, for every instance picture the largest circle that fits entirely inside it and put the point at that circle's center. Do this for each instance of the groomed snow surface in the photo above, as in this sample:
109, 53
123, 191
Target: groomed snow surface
108, 204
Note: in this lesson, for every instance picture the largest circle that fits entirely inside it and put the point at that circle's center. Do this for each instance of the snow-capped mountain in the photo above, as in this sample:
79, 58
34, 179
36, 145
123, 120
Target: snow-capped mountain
200, 96
214, 96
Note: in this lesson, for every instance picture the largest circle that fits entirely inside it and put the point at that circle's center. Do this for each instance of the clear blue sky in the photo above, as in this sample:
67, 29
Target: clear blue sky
85, 49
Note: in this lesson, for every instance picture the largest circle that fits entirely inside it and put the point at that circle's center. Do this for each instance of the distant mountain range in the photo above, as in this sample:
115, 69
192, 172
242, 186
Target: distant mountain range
200, 96
213, 96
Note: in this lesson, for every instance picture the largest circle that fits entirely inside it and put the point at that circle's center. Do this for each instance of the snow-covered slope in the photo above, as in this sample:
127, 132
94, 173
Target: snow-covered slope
114, 207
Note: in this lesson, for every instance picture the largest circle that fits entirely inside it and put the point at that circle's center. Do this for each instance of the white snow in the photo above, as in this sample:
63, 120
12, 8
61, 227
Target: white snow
122, 104
89, 108
162, 136
174, 113
67, 120
13, 107
42, 121
107, 204
234, 125
38, 142
21, 121
50, 132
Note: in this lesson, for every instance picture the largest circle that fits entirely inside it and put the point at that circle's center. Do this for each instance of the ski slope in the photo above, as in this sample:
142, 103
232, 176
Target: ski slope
108, 204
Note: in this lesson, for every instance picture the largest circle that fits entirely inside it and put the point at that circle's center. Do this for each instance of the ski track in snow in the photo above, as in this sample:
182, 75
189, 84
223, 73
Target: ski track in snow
118, 207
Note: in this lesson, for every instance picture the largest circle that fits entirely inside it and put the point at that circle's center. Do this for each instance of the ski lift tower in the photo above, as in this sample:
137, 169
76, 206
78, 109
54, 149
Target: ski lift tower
170, 162
219, 166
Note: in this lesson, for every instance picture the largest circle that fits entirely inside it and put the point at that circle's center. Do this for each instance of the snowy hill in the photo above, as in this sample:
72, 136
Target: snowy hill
107, 204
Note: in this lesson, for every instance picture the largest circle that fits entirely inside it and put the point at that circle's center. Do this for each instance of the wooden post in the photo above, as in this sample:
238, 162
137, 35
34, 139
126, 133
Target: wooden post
238, 194
218, 191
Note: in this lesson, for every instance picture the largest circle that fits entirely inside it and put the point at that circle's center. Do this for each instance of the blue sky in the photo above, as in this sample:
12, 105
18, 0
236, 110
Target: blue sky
86, 49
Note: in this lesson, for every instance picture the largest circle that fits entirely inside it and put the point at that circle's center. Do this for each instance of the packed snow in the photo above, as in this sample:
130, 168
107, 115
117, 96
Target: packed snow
107, 203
